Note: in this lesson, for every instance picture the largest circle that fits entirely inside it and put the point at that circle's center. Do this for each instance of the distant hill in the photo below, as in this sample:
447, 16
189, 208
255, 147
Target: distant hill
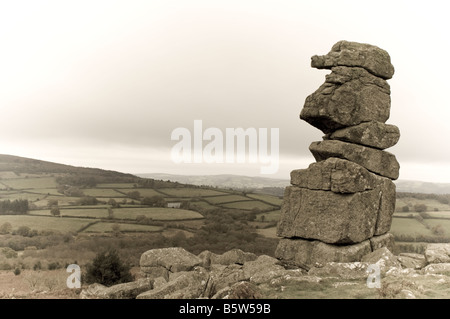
223, 180
23, 165
254, 182
407, 186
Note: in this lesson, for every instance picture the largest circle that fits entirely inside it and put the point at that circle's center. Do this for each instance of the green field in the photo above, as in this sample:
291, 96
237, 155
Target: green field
105, 227
273, 216
41, 223
125, 186
190, 192
156, 213
225, 199
30, 183
102, 192
248, 205
145, 192
408, 226
267, 198
80, 212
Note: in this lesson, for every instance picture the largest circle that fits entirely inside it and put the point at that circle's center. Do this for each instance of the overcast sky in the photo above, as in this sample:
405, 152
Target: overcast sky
104, 83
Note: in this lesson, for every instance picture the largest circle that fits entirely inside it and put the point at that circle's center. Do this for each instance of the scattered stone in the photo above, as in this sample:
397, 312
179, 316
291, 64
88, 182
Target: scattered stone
437, 253
263, 269
234, 256
185, 285
239, 290
372, 134
353, 54
410, 260
160, 262
379, 162
406, 294
127, 290
353, 270
383, 258
93, 291
441, 268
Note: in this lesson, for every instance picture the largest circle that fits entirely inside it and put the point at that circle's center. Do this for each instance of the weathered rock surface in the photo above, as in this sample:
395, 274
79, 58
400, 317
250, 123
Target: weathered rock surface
160, 262
258, 278
348, 270
372, 134
234, 256
186, 285
411, 260
383, 258
377, 161
439, 268
349, 96
437, 253
129, 290
239, 290
380, 241
327, 216
306, 254
336, 175
353, 54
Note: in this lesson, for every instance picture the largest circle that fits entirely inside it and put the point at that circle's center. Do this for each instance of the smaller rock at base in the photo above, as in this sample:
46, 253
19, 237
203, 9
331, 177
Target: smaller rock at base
437, 253
383, 258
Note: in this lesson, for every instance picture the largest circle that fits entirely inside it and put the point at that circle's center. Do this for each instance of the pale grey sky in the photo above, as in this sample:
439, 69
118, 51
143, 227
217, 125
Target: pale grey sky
104, 83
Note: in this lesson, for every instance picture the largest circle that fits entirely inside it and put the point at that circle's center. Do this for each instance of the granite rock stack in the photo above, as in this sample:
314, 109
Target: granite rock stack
340, 208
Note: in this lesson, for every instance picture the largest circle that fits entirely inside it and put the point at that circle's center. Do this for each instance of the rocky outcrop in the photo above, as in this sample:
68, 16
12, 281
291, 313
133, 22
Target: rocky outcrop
256, 278
437, 253
340, 208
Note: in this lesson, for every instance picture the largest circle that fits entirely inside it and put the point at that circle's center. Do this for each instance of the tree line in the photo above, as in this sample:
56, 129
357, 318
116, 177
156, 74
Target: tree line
16, 207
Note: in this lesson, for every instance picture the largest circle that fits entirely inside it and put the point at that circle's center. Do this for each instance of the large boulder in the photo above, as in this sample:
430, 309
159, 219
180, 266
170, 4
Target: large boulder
262, 269
383, 258
412, 260
327, 216
349, 96
128, 290
377, 161
306, 254
372, 134
347, 270
239, 290
183, 285
437, 253
441, 268
353, 54
234, 256
160, 262
222, 276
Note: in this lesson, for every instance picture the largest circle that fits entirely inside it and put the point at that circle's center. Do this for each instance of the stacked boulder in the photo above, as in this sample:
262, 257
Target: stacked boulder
340, 208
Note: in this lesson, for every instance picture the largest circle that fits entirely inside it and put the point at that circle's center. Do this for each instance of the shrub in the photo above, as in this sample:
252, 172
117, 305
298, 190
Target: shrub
54, 265
8, 252
405, 209
107, 269
5, 228
17, 271
420, 208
